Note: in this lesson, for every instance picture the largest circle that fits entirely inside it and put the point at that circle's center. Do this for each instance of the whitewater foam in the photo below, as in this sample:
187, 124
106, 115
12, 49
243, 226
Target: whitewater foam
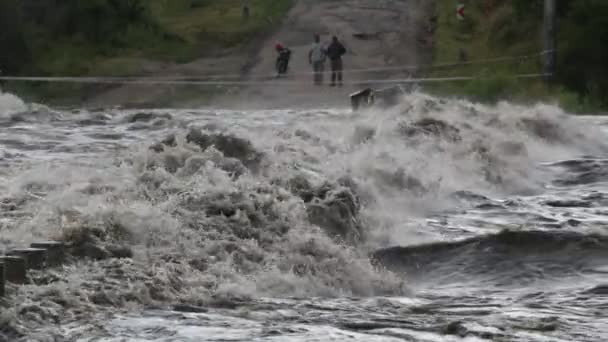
218, 208
10, 104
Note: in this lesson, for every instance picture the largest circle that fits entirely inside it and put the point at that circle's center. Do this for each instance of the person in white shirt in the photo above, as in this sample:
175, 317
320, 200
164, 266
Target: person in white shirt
316, 58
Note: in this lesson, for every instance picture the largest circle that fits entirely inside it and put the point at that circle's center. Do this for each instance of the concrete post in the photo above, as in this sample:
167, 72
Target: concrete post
14, 269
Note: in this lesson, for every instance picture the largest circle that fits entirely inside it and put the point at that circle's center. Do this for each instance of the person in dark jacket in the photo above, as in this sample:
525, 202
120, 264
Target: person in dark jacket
335, 51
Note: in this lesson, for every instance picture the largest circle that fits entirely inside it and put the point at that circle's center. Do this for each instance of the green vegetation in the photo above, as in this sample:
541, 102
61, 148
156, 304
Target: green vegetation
495, 29
122, 37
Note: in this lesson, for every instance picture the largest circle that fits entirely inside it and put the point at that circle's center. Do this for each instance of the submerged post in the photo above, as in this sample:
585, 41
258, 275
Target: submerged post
550, 42
361, 99
35, 257
2, 279
14, 269
55, 251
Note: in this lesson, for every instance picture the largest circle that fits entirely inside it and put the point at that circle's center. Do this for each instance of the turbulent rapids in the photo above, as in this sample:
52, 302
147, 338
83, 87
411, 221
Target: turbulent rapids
437, 220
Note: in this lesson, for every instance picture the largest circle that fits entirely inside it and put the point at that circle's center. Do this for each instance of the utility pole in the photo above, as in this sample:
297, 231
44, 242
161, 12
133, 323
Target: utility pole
550, 41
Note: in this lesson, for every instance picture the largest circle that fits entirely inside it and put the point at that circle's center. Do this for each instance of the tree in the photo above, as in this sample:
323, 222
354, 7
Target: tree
15, 52
97, 20
583, 53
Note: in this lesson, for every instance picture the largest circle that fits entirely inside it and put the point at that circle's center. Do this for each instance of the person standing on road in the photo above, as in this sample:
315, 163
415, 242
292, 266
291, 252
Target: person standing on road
316, 58
335, 51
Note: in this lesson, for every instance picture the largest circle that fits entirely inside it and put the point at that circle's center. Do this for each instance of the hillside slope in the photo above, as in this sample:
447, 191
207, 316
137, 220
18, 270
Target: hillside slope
107, 38
222, 43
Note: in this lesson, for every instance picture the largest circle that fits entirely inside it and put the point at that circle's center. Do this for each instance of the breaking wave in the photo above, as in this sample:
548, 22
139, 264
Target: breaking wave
509, 258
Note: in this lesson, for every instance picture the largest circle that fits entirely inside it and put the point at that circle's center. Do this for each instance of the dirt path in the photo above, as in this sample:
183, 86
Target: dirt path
376, 33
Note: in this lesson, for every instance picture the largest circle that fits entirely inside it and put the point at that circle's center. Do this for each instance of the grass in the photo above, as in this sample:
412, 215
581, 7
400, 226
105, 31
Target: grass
218, 22
185, 33
492, 29
487, 32
185, 30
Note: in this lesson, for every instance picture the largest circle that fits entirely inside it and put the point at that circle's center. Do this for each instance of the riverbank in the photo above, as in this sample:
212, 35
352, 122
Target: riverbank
479, 45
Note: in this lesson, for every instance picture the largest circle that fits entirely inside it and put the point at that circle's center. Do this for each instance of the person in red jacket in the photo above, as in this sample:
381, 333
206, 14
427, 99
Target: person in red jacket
282, 59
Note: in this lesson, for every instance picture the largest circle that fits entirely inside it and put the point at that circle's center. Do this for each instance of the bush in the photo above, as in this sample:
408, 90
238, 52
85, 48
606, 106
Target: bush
524, 8
103, 20
491, 88
96, 20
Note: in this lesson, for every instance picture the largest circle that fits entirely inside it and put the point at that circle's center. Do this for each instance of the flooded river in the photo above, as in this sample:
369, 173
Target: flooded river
437, 220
